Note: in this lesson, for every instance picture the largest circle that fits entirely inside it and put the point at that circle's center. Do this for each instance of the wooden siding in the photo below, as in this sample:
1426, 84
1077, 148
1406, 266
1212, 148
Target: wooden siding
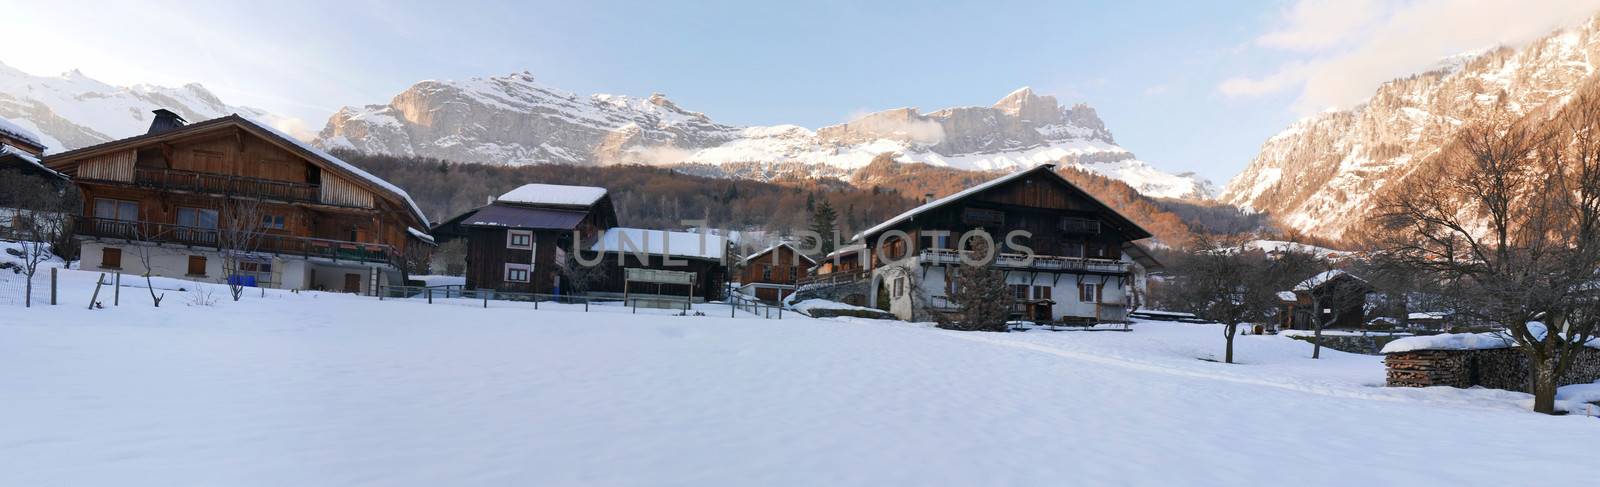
788, 269
338, 191
117, 166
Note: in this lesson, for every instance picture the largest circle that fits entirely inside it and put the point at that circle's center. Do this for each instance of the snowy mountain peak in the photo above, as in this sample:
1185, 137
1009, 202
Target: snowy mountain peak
514, 120
74, 110
1322, 174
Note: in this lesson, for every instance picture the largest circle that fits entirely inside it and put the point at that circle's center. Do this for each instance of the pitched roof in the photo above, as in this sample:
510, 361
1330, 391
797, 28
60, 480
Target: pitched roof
553, 194
662, 242
984, 186
21, 134
328, 161
775, 247
525, 218
1323, 278
9, 151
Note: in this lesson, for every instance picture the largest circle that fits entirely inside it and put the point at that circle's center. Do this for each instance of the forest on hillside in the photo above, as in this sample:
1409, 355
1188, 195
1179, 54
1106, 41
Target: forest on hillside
661, 197
645, 196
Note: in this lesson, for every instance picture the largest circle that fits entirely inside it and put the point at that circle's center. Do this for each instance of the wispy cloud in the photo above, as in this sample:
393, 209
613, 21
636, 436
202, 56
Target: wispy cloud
1339, 52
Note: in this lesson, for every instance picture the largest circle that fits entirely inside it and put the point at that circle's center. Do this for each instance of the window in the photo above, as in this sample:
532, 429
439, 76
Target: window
272, 222
110, 209
766, 273
1019, 291
197, 265
111, 258
1041, 292
1074, 224
1088, 293
518, 272
197, 218
899, 287
983, 217
1072, 249
519, 239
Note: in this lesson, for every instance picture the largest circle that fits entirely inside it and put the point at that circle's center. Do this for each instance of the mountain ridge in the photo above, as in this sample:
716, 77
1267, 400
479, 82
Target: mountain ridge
516, 120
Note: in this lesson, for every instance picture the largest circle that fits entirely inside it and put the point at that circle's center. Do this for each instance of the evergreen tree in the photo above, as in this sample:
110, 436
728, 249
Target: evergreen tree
983, 301
824, 222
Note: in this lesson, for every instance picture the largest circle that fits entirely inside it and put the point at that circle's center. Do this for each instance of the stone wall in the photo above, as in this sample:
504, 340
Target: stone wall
1365, 345
1501, 368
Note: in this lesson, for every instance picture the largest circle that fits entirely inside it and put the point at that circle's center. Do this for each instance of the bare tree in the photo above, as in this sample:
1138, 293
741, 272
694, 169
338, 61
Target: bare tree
1334, 293
43, 218
1510, 225
238, 238
1213, 282
145, 254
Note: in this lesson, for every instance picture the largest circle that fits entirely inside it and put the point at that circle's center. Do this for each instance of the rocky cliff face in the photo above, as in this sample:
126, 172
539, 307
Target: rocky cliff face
1320, 175
73, 110
515, 120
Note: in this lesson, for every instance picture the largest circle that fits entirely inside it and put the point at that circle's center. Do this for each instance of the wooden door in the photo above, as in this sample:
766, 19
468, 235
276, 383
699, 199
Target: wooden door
352, 283
1043, 310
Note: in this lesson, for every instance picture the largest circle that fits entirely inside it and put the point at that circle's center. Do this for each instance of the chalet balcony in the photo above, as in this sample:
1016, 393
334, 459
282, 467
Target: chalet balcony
306, 247
225, 185
1020, 262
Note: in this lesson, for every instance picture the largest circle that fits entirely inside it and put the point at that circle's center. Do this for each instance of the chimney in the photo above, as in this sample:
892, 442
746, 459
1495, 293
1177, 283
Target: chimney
927, 197
165, 120
489, 200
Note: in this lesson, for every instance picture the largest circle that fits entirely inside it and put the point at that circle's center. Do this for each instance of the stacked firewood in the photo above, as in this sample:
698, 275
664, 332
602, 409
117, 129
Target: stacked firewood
1425, 368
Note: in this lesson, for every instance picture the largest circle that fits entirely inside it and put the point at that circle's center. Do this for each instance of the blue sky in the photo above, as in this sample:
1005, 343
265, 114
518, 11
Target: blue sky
1188, 86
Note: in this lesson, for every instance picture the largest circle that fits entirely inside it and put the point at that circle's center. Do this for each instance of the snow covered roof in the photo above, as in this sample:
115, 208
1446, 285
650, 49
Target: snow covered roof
529, 218
421, 235
1428, 315
662, 242
1288, 296
553, 194
1046, 168
1469, 341
17, 132
775, 247
1323, 278
7, 150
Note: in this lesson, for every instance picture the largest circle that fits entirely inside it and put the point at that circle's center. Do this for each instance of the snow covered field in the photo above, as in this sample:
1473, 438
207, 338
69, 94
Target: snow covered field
328, 389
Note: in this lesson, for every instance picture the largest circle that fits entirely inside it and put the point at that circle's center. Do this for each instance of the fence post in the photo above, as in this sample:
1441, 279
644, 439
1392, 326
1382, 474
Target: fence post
116, 290
53, 285
97, 283
536, 302
430, 295
380, 291
485, 298
586, 305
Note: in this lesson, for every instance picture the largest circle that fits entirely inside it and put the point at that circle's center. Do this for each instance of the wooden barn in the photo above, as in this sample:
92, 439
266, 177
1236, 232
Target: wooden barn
182, 192
1332, 295
520, 241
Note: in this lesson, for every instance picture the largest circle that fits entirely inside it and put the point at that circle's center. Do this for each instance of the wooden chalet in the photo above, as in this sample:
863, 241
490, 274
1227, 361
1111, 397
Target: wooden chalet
770, 274
178, 190
519, 241
1081, 267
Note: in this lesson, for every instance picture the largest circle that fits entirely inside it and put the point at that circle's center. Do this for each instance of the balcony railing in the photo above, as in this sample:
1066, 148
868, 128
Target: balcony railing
1020, 261
221, 184
337, 250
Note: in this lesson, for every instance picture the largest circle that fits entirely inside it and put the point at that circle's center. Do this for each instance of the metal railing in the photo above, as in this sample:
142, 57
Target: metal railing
199, 182
1020, 261
484, 296
739, 302
144, 231
828, 280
